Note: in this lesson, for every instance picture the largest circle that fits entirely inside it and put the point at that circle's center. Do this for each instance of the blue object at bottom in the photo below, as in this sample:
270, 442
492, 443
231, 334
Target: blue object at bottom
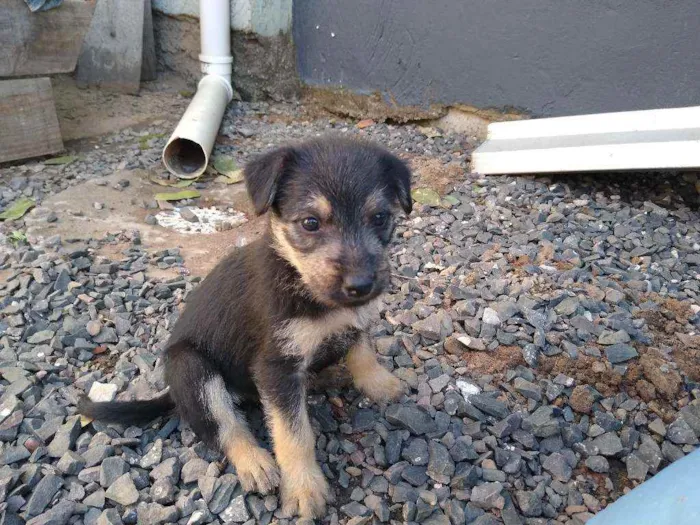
672, 497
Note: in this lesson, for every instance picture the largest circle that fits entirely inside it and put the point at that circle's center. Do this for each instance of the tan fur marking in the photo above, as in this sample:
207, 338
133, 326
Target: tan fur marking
302, 336
317, 269
304, 488
371, 378
255, 467
322, 206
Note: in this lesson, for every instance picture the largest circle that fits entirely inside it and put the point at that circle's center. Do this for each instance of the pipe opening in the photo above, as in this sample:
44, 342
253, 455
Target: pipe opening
184, 157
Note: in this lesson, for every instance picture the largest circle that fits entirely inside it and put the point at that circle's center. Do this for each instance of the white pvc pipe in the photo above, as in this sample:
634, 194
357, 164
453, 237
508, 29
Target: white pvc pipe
186, 154
215, 37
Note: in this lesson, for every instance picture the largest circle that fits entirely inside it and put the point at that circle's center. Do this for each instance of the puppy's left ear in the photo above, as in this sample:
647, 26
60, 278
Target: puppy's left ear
263, 175
398, 177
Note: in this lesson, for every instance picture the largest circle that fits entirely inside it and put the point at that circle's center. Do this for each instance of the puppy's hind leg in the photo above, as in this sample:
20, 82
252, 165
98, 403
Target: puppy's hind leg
206, 404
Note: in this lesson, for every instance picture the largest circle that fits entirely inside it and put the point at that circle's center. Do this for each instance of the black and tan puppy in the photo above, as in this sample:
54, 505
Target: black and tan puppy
293, 302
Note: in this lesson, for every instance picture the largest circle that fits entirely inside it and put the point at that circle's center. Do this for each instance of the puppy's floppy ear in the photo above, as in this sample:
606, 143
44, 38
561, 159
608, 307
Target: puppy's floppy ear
398, 177
263, 174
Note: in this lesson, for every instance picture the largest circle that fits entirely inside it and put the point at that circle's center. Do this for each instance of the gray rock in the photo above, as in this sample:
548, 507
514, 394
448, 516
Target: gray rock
636, 468
598, 464
680, 433
529, 502
60, 514
364, 419
236, 512
416, 452
169, 468
440, 466
153, 456
111, 469
491, 317
71, 463
354, 509
463, 450
527, 389
542, 423
188, 215
392, 447
96, 499
412, 417
608, 444
613, 338
435, 327
42, 494
123, 491
163, 492
489, 405
156, 514
109, 517
558, 466
193, 470
65, 438
488, 496
620, 353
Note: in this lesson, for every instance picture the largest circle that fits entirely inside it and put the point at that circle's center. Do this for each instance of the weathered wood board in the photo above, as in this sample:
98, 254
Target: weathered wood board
28, 121
148, 65
113, 50
42, 43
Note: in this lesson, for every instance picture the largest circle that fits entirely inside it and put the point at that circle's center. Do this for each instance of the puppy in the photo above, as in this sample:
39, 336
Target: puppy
285, 306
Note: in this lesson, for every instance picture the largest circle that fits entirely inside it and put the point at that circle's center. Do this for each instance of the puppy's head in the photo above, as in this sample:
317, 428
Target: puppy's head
332, 205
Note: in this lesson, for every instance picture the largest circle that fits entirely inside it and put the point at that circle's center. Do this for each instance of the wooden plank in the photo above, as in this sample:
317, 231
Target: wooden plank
148, 65
631, 150
42, 43
113, 50
648, 120
28, 121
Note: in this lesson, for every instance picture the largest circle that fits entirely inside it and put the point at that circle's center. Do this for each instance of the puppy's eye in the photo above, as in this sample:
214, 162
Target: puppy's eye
380, 219
310, 224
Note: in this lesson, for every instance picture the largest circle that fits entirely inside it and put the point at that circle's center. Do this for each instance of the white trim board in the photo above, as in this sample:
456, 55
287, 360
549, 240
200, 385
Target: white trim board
634, 140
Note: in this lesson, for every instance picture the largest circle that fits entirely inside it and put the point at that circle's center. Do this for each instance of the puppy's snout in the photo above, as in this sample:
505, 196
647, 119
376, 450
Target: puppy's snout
358, 286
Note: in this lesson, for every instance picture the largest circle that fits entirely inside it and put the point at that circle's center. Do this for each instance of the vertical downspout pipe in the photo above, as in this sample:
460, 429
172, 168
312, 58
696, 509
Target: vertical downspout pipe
186, 154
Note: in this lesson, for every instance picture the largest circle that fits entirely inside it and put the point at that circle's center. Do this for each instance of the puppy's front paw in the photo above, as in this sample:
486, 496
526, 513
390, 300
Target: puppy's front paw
380, 385
305, 493
256, 470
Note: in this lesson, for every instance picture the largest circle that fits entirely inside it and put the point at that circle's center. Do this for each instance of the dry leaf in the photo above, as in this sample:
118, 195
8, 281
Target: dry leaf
58, 161
178, 195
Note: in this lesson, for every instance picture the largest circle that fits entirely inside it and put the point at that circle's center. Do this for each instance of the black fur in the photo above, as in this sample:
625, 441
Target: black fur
229, 324
129, 413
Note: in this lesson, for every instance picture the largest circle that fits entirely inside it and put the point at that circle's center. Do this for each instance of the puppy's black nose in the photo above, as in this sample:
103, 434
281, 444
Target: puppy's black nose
357, 286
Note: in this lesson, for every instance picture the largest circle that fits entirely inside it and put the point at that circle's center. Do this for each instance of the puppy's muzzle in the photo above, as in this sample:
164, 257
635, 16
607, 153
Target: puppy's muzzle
357, 286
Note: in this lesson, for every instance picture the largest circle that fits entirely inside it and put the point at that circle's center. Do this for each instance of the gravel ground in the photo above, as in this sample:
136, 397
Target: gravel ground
545, 330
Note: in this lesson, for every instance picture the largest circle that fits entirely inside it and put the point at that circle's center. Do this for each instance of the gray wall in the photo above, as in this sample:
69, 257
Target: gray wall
546, 57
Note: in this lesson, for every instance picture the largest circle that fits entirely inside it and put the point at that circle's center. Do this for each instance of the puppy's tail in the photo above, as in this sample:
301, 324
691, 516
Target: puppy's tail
127, 412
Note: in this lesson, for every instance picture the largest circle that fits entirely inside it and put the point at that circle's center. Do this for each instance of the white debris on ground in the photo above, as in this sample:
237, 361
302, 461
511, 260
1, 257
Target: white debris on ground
200, 220
467, 389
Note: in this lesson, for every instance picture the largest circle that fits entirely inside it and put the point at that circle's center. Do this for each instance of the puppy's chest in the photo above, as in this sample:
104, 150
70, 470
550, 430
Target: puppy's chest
304, 337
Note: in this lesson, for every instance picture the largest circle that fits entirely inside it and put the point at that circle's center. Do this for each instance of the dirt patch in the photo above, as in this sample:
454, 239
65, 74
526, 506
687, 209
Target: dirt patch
432, 173
124, 211
659, 373
497, 362
84, 113
667, 325
581, 399
348, 104
607, 381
